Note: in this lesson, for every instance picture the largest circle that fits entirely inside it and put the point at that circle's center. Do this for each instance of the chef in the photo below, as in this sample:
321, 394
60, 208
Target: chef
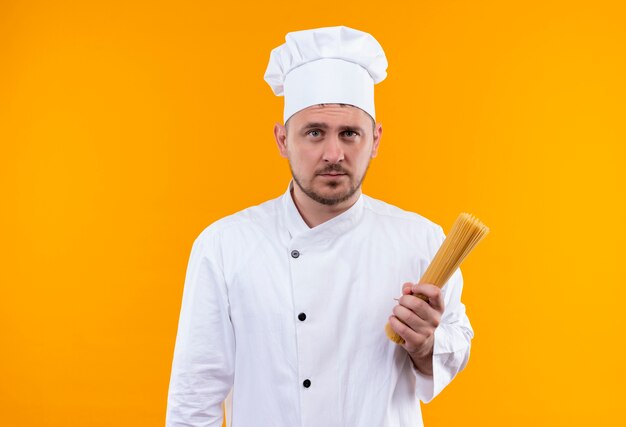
285, 304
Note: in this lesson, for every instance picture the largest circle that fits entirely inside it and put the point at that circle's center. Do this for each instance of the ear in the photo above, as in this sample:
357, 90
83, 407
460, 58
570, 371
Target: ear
378, 134
280, 134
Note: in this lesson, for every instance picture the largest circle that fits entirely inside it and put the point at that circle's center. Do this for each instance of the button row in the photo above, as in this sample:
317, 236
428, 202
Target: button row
302, 317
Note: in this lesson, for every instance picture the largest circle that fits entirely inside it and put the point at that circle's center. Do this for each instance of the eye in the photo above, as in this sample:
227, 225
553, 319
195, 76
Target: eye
315, 133
350, 133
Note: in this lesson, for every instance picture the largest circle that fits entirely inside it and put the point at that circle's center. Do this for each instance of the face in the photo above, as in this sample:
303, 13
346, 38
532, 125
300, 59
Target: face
329, 148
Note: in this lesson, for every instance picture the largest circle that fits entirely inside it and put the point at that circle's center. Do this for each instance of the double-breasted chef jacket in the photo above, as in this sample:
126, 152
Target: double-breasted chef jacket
285, 323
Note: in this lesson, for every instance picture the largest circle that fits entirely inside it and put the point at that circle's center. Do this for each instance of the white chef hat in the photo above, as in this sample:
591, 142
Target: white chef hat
327, 65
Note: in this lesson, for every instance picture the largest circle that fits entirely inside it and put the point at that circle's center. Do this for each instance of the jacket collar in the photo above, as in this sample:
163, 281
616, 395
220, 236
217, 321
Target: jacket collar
327, 231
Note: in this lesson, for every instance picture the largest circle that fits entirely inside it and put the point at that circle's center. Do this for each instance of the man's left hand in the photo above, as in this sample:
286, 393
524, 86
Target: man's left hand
415, 320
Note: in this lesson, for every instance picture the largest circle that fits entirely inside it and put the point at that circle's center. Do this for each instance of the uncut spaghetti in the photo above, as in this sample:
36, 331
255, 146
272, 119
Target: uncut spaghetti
465, 234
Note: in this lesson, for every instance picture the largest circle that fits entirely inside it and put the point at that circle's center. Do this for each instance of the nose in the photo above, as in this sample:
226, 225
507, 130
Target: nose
333, 150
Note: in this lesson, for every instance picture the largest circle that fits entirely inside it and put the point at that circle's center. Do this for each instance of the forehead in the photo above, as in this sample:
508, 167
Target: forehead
332, 114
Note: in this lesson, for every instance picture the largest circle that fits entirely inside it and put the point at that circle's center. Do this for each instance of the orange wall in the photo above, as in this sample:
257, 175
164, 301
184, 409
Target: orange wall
125, 130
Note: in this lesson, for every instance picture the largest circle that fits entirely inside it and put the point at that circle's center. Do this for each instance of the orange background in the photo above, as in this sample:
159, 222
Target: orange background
125, 129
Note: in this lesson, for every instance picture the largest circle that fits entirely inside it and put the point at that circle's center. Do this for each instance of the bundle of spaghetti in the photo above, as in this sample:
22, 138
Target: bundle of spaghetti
465, 234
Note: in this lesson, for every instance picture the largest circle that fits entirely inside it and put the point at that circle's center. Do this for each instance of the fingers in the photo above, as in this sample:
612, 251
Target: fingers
411, 338
407, 288
412, 320
413, 341
416, 313
432, 293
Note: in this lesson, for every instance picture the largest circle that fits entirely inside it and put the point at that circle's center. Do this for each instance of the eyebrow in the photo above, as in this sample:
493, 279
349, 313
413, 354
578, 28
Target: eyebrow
321, 125
317, 125
356, 129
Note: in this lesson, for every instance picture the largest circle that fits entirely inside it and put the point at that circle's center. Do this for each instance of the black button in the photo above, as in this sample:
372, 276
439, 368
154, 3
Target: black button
295, 254
306, 383
302, 317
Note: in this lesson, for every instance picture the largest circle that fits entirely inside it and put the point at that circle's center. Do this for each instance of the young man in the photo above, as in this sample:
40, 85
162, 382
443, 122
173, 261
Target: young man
285, 303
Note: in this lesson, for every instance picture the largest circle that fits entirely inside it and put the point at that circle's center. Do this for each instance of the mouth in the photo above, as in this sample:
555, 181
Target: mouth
332, 174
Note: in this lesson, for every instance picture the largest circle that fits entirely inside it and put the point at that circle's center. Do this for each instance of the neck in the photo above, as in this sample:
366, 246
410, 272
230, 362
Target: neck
315, 213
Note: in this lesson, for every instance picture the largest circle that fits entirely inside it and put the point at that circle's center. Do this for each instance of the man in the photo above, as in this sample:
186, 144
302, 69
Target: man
285, 303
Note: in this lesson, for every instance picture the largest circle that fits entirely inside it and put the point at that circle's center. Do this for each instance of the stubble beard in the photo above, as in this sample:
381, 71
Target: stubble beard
330, 201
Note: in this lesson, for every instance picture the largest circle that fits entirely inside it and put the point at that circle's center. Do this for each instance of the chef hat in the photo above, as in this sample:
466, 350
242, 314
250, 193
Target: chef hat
327, 65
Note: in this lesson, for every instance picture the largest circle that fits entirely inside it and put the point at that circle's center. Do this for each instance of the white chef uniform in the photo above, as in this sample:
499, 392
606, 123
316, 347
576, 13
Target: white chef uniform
290, 320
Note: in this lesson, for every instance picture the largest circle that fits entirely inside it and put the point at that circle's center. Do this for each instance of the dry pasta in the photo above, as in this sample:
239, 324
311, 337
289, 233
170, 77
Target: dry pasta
465, 234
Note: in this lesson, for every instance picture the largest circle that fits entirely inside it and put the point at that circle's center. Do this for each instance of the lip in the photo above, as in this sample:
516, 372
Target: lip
332, 175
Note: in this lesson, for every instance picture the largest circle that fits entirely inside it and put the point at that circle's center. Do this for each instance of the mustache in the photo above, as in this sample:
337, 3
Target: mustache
335, 167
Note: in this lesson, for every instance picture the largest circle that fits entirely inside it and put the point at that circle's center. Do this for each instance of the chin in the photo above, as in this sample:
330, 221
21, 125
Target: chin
330, 191
341, 193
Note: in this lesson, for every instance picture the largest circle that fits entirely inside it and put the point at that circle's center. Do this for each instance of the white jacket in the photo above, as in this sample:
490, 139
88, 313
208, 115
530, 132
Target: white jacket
290, 320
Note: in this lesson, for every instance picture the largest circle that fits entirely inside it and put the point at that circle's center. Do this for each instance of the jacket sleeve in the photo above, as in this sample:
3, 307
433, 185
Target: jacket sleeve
452, 341
203, 364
